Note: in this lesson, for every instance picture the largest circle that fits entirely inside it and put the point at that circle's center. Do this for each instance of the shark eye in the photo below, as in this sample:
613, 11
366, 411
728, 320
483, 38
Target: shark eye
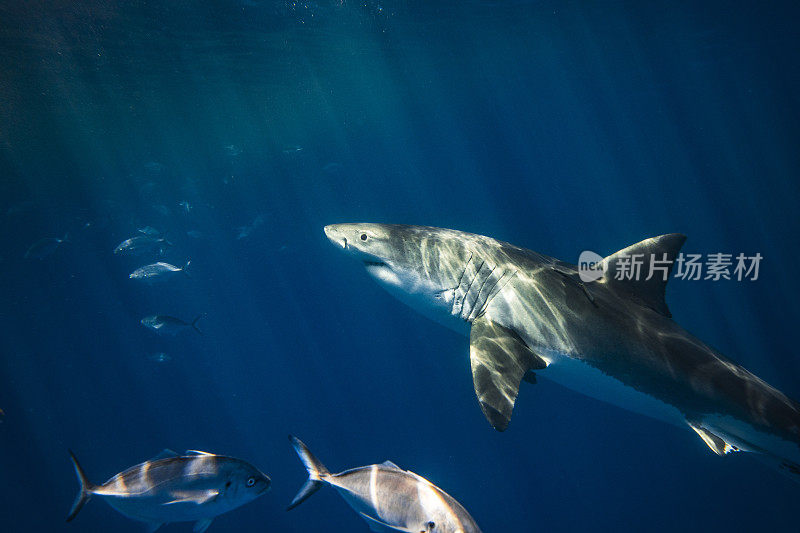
431, 525
363, 236
250, 481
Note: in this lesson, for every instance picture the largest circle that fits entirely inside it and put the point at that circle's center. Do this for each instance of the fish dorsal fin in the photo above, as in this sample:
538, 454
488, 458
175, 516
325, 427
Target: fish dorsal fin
658, 253
197, 452
389, 464
717, 444
166, 453
499, 359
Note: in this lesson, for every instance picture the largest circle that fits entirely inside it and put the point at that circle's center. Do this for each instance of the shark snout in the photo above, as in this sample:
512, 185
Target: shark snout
335, 236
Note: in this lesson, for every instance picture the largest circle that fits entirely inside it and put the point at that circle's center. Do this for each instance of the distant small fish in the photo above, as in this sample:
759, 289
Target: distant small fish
154, 166
158, 272
20, 208
194, 234
160, 357
196, 487
293, 150
141, 244
150, 231
185, 205
169, 325
387, 497
233, 150
245, 231
45, 247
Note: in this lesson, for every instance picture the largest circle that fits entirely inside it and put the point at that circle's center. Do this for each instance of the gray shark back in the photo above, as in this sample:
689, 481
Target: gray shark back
608, 337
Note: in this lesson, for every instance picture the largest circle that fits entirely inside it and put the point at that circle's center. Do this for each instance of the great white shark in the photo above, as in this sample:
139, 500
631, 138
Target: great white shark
611, 339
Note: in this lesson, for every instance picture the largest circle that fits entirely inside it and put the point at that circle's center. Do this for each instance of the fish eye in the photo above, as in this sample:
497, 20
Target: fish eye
250, 481
363, 236
431, 525
228, 484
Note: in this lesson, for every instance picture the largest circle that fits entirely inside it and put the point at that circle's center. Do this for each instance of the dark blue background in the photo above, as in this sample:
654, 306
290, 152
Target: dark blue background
556, 125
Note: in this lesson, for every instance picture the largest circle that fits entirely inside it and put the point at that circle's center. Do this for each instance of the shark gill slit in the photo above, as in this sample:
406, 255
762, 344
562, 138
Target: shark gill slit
481, 296
489, 296
469, 288
456, 300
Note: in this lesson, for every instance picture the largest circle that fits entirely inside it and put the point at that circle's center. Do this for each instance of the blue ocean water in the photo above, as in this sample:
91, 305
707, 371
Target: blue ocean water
240, 128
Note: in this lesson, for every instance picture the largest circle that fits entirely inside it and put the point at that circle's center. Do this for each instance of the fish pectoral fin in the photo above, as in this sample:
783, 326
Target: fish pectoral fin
197, 497
150, 527
717, 444
499, 359
376, 525
201, 525
166, 453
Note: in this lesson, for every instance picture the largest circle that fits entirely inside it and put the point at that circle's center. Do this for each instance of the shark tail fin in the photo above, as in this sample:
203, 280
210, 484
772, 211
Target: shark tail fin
194, 323
85, 491
316, 472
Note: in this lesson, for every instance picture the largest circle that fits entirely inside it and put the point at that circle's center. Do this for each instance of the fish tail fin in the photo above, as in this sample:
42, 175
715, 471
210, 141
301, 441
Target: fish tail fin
86, 489
316, 472
194, 324
185, 268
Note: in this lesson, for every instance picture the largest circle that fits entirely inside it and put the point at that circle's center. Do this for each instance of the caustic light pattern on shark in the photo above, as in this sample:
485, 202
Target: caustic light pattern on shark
610, 339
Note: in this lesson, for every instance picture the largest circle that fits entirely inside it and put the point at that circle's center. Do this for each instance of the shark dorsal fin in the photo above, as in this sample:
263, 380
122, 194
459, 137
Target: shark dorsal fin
656, 253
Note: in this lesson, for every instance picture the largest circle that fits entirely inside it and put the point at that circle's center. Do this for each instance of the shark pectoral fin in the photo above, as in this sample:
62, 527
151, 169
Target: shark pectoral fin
201, 525
150, 527
376, 525
717, 444
499, 359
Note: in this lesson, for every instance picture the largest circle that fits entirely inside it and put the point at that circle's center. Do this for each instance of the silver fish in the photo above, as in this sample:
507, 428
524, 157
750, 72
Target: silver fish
45, 247
245, 231
160, 357
150, 231
233, 150
158, 272
387, 497
142, 244
169, 325
196, 487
